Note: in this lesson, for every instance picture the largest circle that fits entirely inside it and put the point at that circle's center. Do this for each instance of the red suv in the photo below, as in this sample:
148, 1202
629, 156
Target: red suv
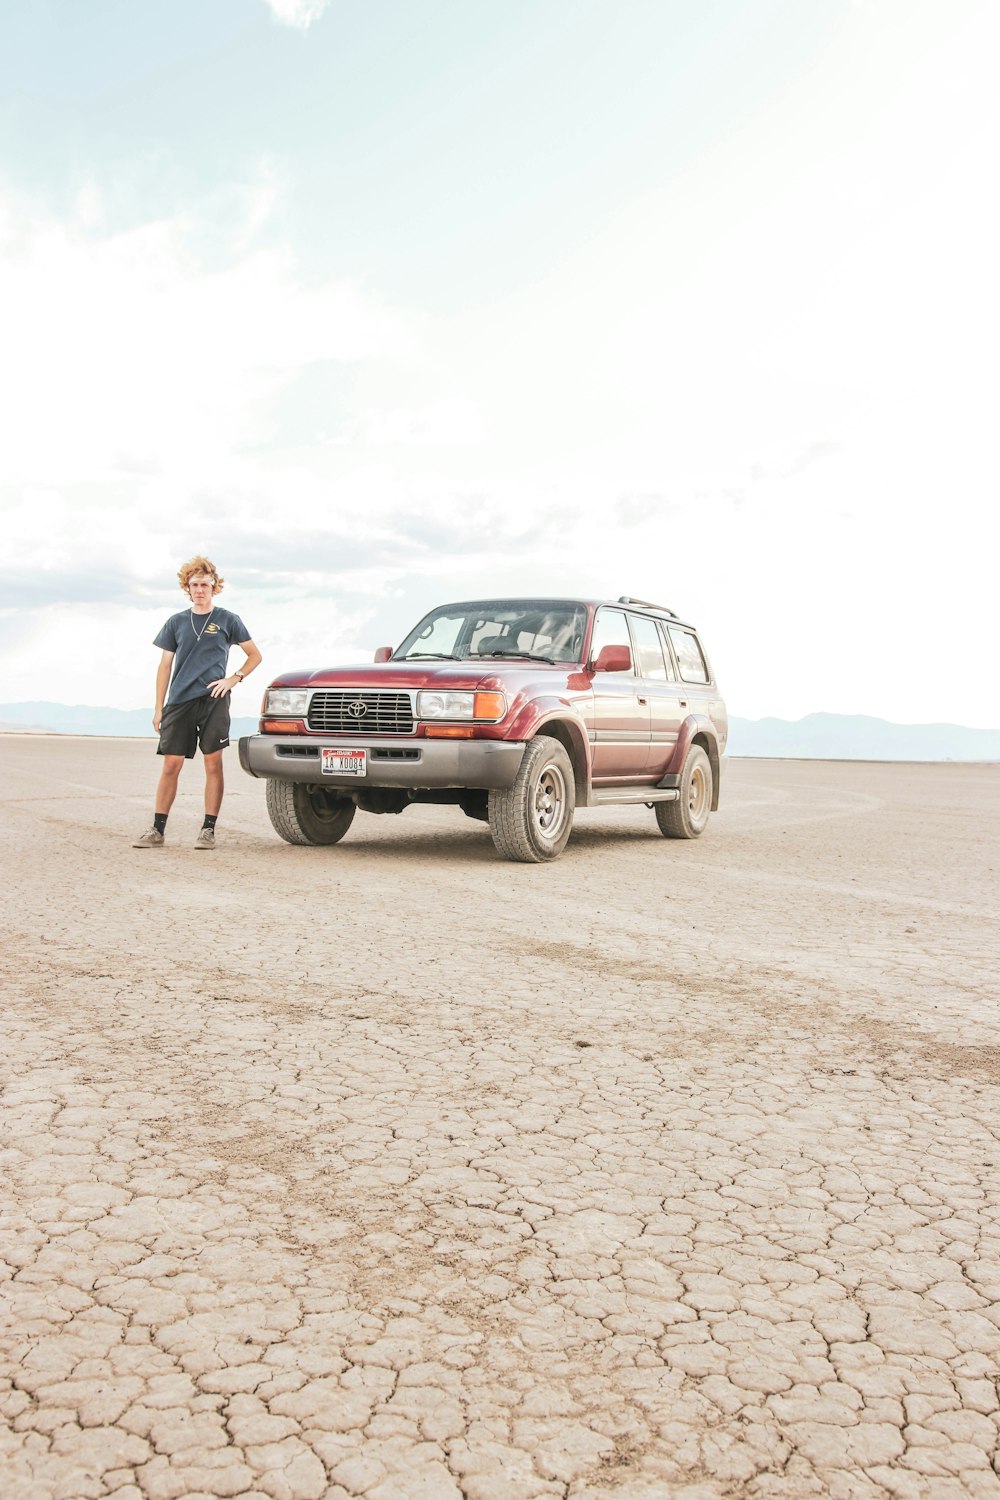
517, 710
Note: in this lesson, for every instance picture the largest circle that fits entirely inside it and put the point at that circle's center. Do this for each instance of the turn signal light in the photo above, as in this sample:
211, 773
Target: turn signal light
490, 706
282, 726
449, 731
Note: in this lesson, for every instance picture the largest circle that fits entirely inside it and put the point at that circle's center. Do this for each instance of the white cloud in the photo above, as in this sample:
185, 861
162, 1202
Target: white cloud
138, 388
455, 422
124, 357
298, 13
781, 363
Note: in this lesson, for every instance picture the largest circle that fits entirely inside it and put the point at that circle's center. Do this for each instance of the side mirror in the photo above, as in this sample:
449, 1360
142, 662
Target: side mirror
384, 653
614, 659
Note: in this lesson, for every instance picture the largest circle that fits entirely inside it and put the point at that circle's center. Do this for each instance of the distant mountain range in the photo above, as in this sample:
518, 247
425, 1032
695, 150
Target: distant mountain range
60, 718
816, 737
858, 737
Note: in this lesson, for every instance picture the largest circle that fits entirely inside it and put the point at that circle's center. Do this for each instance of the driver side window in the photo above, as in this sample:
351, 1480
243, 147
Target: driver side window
610, 629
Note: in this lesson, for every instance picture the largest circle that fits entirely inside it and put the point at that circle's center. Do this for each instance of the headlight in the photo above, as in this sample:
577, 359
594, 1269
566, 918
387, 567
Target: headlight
287, 701
445, 705
485, 706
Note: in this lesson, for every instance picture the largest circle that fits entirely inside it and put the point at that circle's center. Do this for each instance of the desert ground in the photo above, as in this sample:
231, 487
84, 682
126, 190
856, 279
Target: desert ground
399, 1171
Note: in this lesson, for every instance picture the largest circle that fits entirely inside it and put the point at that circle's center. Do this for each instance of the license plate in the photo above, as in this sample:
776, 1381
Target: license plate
333, 761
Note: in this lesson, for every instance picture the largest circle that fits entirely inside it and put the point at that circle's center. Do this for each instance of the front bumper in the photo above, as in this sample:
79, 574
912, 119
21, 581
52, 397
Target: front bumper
421, 764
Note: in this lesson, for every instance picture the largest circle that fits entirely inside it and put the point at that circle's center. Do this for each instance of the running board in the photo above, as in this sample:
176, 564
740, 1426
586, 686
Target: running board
605, 797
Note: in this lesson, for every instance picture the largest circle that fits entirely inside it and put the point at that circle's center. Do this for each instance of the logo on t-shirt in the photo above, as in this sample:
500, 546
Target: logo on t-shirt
211, 630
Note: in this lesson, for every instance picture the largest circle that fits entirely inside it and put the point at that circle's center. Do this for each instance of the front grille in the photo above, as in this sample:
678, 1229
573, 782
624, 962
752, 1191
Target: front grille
360, 712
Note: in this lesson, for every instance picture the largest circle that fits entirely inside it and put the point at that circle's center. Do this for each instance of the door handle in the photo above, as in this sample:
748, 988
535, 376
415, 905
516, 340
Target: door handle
643, 700
682, 702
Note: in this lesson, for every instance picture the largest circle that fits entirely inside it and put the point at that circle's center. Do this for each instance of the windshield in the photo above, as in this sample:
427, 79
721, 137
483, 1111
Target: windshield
538, 629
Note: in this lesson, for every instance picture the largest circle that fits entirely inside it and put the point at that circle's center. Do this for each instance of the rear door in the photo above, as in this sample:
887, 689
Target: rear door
621, 711
697, 691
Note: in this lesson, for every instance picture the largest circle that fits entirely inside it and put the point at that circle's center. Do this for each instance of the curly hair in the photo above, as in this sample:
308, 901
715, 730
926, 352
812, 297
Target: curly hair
200, 564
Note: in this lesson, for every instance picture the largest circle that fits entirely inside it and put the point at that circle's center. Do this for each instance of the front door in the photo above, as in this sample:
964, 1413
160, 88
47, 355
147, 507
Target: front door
656, 673
621, 709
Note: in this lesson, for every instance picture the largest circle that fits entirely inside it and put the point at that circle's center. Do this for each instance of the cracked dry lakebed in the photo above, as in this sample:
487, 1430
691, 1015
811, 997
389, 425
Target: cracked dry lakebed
399, 1171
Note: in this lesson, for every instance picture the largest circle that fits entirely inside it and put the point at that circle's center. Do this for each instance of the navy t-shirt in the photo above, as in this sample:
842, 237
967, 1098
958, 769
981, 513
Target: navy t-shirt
200, 644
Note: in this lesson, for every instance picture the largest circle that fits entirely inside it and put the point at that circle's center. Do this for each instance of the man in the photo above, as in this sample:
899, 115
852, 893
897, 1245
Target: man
195, 645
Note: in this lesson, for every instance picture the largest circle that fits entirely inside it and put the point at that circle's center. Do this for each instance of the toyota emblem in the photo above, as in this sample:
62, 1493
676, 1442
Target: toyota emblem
357, 710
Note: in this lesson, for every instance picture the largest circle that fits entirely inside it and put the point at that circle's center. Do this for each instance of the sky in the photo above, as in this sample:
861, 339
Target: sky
381, 304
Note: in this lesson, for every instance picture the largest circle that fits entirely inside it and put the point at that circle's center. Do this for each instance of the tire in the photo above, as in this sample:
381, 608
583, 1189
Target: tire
531, 821
307, 814
687, 818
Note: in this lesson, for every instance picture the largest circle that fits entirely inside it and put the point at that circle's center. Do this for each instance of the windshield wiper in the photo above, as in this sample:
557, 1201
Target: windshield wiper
525, 655
429, 656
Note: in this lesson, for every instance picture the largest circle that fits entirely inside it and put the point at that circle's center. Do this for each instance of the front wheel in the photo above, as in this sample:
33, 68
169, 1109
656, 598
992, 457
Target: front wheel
688, 816
307, 814
532, 820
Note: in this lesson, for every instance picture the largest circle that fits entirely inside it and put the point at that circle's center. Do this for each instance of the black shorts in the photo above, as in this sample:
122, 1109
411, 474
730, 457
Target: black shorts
196, 721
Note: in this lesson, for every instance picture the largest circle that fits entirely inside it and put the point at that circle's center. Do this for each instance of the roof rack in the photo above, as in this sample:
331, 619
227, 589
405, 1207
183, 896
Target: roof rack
645, 604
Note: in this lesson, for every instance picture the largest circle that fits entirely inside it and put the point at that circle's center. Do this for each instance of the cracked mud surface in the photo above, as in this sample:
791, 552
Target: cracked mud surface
395, 1170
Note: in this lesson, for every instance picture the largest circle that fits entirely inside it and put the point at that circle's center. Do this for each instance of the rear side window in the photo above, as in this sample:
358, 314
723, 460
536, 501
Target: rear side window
610, 629
649, 657
688, 652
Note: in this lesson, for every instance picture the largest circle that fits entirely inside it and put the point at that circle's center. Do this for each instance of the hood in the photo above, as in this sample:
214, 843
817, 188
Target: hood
448, 675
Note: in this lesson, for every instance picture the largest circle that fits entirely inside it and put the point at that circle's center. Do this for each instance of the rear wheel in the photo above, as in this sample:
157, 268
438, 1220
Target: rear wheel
688, 816
307, 814
532, 820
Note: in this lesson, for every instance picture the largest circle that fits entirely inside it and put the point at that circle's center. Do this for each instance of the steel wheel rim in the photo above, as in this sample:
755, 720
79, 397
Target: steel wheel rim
548, 806
698, 794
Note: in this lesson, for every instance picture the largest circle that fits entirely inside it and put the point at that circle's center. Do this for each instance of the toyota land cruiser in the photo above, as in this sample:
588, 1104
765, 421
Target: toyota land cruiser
517, 710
